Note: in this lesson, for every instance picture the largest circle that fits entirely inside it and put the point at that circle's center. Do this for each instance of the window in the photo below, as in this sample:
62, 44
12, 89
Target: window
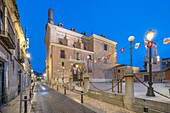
62, 63
90, 64
77, 56
146, 77
1, 15
105, 47
85, 47
62, 54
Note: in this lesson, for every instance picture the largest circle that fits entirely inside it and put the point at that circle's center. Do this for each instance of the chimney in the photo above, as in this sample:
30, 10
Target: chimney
84, 33
60, 24
50, 16
73, 29
103, 35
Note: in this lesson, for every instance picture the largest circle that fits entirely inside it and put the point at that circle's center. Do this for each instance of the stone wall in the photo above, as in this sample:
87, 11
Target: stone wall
167, 74
138, 105
101, 68
156, 76
69, 61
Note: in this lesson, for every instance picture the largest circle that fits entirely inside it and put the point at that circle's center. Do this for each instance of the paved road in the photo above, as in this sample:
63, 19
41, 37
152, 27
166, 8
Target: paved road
47, 100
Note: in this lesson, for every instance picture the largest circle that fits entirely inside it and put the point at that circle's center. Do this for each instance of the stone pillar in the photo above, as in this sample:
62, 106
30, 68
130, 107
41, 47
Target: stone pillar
129, 90
71, 83
86, 85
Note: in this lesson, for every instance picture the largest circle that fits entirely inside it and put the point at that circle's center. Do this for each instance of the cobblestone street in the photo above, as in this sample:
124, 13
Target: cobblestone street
47, 100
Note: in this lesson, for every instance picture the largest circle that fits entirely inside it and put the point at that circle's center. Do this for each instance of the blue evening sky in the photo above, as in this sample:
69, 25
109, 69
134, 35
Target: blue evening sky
118, 19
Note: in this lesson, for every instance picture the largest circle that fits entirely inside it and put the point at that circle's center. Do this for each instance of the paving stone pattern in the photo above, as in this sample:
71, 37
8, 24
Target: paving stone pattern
47, 100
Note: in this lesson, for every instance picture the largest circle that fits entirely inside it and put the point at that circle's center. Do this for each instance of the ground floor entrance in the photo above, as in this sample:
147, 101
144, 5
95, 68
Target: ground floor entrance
78, 70
2, 84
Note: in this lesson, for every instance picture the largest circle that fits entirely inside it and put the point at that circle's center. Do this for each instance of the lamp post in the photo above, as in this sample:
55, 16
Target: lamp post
131, 39
149, 36
63, 76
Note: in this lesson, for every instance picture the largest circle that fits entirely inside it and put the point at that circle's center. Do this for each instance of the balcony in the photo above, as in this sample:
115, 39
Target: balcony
7, 39
77, 45
21, 57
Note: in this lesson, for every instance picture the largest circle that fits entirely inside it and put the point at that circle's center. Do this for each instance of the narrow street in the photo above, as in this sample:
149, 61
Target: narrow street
47, 100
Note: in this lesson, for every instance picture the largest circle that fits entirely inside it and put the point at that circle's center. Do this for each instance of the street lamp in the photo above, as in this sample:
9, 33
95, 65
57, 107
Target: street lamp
77, 65
88, 57
149, 36
131, 39
28, 55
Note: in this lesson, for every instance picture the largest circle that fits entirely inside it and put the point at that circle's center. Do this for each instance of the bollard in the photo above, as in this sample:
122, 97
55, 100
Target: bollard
81, 96
30, 94
25, 104
64, 90
112, 85
118, 86
145, 109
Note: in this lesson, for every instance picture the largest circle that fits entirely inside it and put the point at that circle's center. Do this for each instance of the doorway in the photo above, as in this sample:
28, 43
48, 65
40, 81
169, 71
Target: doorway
146, 77
2, 84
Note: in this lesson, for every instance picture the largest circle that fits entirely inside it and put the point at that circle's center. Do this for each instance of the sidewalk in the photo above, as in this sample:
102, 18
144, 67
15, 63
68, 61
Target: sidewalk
93, 104
14, 105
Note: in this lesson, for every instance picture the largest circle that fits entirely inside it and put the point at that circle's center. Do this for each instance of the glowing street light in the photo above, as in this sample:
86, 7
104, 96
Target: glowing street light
88, 57
28, 55
149, 35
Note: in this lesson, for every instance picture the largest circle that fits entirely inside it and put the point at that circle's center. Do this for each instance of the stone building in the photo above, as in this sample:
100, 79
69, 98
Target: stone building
160, 71
159, 74
120, 69
165, 63
72, 54
14, 65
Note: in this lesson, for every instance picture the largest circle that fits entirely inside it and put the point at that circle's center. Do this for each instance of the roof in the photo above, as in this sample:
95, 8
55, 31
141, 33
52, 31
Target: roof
165, 58
95, 36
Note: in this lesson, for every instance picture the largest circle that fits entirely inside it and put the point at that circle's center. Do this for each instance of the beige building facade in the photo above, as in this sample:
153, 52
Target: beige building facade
13, 58
73, 54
